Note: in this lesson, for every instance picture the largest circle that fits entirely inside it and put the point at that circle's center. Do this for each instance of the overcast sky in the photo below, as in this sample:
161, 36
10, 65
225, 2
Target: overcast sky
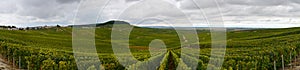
236, 13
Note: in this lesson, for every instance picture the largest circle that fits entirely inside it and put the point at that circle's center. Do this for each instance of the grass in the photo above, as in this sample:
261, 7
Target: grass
61, 38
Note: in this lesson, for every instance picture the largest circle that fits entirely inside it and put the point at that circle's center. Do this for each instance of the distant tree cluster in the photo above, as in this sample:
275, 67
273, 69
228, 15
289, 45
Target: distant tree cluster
29, 28
42, 27
8, 27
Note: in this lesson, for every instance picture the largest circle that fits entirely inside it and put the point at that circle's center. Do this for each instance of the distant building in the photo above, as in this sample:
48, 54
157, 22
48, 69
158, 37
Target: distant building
12, 29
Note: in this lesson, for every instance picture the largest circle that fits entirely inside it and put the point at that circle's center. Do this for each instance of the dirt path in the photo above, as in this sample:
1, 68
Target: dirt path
4, 66
171, 64
295, 65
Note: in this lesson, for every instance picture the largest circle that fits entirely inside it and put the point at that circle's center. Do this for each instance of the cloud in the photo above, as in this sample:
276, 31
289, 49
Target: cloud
257, 2
197, 4
44, 8
43, 12
67, 1
295, 1
152, 9
131, 0
8, 6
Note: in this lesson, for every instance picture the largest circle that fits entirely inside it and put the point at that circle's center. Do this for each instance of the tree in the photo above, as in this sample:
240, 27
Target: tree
58, 26
13, 27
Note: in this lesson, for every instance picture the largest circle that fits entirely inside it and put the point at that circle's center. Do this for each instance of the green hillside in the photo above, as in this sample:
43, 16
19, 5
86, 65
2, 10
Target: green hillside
248, 49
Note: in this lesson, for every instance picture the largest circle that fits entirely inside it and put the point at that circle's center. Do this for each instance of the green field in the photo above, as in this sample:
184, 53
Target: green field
52, 49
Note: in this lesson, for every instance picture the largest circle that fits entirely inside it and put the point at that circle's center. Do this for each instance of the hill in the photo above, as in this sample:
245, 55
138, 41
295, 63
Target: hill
105, 24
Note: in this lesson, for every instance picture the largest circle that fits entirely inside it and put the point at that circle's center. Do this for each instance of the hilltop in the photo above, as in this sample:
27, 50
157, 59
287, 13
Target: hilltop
105, 24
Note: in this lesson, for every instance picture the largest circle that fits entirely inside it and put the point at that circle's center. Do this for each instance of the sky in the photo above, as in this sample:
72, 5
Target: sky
185, 13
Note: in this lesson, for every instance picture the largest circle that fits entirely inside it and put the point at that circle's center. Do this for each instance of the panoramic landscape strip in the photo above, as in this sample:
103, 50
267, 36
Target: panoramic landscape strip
247, 49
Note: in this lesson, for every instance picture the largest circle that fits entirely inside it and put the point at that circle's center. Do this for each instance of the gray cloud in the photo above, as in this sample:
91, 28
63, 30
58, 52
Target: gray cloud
153, 9
244, 7
131, 0
257, 2
8, 6
44, 8
62, 11
67, 1
295, 1
43, 12
196, 4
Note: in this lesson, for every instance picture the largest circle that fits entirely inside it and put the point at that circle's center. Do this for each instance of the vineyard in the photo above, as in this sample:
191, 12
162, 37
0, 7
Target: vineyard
51, 49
